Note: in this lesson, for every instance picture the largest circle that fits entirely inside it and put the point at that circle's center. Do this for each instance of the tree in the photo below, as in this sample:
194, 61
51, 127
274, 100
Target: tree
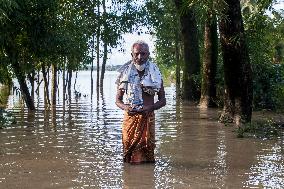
208, 87
237, 69
209, 10
264, 28
13, 36
189, 31
162, 15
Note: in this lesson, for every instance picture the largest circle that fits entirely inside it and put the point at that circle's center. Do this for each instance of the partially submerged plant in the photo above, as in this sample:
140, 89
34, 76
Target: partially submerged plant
6, 118
261, 129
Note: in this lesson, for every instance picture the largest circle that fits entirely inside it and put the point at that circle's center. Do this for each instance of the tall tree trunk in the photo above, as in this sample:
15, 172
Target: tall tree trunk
32, 81
69, 80
75, 82
58, 84
21, 79
53, 117
105, 46
191, 72
177, 55
103, 66
208, 87
98, 47
54, 84
92, 66
237, 69
46, 90
98, 63
64, 81
38, 82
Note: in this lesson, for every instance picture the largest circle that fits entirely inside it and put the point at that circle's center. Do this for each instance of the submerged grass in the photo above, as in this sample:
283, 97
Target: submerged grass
6, 118
264, 129
4, 94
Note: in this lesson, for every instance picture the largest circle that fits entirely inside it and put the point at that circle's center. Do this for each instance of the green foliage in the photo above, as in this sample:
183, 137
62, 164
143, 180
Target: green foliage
6, 6
264, 40
5, 75
268, 86
6, 118
34, 31
107, 23
205, 8
40, 31
168, 73
164, 24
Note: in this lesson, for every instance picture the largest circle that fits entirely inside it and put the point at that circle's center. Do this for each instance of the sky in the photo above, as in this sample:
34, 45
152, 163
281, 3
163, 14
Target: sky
118, 58
280, 4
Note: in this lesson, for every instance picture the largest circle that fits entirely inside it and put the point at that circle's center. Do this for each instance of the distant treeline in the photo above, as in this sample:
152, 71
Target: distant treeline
108, 67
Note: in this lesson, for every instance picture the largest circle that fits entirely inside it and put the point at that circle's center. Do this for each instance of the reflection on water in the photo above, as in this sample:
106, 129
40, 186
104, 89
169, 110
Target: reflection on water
219, 170
77, 144
269, 170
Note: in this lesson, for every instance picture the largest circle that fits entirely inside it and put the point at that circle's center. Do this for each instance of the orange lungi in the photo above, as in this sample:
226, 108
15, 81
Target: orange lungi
138, 138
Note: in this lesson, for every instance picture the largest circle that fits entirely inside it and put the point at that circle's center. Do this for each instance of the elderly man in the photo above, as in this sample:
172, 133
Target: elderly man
139, 80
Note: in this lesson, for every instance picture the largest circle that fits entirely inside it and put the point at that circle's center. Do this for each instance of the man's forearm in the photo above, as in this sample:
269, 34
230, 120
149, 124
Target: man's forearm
121, 105
159, 104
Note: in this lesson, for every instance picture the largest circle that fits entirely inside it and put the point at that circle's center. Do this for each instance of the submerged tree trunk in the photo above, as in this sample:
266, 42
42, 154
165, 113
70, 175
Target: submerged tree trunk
98, 48
54, 84
58, 84
208, 87
92, 66
237, 69
69, 80
98, 64
21, 79
32, 81
45, 80
103, 66
177, 55
105, 46
75, 82
64, 81
191, 69
38, 82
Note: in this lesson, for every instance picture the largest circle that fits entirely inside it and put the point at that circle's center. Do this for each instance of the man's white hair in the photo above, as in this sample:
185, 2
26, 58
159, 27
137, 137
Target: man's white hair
140, 42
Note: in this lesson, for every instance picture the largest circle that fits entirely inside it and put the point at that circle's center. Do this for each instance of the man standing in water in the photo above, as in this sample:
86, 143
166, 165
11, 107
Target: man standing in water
139, 80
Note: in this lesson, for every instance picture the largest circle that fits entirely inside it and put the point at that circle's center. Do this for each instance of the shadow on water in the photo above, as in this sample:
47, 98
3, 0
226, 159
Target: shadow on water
78, 145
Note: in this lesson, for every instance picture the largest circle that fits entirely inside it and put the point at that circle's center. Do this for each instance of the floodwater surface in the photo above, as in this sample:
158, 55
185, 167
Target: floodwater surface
78, 144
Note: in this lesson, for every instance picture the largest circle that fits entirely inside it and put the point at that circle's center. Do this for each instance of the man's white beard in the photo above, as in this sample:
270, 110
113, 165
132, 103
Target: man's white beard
140, 67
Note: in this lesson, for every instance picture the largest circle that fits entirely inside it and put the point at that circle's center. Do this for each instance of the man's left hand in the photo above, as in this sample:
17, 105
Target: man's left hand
146, 109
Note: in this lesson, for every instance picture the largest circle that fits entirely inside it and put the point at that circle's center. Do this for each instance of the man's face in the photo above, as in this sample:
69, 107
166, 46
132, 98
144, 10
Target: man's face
140, 54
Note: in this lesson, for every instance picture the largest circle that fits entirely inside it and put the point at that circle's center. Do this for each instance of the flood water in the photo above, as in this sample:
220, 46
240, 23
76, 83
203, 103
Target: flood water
78, 145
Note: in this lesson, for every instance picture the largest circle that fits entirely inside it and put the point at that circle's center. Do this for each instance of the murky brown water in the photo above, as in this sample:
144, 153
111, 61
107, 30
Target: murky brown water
79, 146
